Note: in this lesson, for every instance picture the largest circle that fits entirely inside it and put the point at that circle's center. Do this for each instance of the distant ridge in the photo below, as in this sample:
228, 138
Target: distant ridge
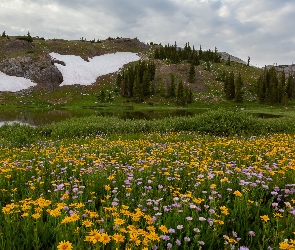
224, 56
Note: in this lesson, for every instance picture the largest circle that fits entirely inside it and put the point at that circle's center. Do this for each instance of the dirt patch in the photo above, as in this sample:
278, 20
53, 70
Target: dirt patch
181, 72
16, 45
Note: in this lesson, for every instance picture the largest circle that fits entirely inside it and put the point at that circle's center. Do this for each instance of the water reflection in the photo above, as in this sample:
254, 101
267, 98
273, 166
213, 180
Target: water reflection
35, 117
40, 117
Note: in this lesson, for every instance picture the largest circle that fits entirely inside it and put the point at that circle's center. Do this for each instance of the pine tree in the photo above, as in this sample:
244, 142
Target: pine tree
238, 89
290, 89
281, 96
261, 89
138, 90
248, 63
145, 84
171, 89
228, 60
188, 95
29, 39
192, 73
3, 34
180, 93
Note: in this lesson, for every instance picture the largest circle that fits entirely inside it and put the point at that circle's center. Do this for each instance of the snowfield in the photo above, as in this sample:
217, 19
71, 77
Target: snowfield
76, 71
14, 83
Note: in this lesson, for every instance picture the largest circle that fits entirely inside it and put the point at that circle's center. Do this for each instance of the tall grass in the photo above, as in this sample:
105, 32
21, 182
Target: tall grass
217, 122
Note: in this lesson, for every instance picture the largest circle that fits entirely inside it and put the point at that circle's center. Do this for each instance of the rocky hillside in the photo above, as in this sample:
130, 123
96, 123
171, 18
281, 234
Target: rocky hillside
32, 61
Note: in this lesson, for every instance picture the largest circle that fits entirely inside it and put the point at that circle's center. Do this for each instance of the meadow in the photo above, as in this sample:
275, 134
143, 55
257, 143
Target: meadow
104, 183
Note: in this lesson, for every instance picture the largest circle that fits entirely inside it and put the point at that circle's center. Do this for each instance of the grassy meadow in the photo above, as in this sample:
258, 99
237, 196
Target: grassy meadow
104, 183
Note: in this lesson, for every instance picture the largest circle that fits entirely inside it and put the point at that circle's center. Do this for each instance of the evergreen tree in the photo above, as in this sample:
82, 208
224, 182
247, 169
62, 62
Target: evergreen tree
102, 96
228, 60
290, 89
200, 53
180, 94
29, 38
3, 34
248, 63
171, 89
188, 95
156, 54
145, 84
229, 86
192, 73
273, 86
232, 89
138, 90
261, 89
238, 89
281, 96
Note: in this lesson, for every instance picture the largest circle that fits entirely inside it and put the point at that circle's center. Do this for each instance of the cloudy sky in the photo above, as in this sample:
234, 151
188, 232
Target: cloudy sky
261, 29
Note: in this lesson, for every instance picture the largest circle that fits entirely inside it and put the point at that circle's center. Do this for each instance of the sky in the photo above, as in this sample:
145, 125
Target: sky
260, 29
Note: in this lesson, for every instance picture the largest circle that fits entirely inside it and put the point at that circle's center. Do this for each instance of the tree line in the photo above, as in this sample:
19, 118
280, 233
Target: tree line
273, 87
233, 86
175, 54
137, 80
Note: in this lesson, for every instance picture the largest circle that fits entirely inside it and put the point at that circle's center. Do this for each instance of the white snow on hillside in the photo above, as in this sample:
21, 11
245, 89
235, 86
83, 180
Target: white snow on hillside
76, 71
79, 71
13, 83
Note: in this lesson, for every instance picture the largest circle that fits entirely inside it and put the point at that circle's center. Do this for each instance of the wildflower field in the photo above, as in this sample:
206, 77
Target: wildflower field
173, 190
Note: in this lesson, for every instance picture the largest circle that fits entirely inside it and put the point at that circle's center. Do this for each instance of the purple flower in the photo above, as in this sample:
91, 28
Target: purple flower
178, 242
169, 246
251, 233
165, 237
187, 239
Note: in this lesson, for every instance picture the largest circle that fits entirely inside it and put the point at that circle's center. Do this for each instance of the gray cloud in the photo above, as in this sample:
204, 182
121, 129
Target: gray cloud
259, 29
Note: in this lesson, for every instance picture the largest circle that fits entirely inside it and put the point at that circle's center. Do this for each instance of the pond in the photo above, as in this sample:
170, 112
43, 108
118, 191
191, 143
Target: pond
40, 117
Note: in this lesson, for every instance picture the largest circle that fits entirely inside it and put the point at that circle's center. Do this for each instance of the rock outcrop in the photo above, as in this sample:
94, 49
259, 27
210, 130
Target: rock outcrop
40, 70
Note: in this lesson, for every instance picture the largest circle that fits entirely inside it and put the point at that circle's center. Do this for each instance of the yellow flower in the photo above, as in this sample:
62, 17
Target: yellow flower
36, 216
64, 245
87, 223
119, 221
238, 193
264, 218
163, 228
105, 238
278, 215
286, 245
118, 238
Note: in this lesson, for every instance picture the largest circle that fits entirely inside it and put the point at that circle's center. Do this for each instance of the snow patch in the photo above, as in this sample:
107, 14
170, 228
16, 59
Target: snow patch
14, 83
79, 71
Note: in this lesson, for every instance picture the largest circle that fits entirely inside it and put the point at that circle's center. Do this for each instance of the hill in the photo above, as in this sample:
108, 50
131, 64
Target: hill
46, 73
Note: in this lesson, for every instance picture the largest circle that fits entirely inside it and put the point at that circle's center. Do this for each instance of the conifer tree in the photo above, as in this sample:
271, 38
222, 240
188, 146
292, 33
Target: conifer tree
171, 89
281, 95
29, 39
3, 34
228, 60
238, 89
248, 63
261, 89
180, 93
290, 89
192, 73
145, 84
232, 90
188, 95
138, 90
